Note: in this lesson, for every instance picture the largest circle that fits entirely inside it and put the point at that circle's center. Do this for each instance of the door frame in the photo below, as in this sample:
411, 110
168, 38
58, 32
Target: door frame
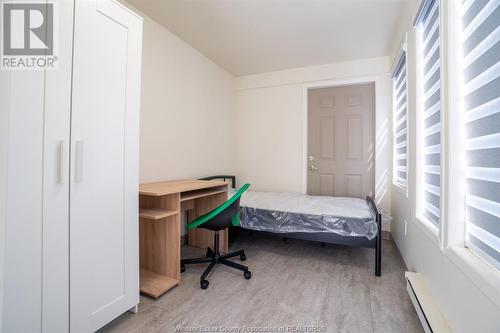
378, 81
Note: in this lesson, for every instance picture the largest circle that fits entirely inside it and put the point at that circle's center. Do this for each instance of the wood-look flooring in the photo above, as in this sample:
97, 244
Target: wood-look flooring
293, 283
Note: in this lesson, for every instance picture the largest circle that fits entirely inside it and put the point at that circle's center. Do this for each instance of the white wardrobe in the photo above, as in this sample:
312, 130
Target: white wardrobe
69, 176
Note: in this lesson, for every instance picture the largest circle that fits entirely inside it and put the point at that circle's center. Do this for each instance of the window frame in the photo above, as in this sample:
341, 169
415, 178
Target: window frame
434, 231
401, 187
481, 274
476, 250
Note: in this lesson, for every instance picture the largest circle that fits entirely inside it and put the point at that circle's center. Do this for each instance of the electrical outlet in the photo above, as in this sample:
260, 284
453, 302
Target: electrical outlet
406, 227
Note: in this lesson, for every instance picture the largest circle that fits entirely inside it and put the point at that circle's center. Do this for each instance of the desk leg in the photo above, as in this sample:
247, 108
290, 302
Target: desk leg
203, 238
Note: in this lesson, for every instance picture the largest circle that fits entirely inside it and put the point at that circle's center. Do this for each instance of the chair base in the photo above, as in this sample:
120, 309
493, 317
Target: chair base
215, 258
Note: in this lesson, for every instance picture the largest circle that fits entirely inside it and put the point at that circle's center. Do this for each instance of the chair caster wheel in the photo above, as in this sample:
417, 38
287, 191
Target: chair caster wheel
204, 284
247, 274
183, 268
243, 257
209, 253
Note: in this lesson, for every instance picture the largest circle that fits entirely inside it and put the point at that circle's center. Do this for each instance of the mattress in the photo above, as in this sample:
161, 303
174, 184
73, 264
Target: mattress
292, 212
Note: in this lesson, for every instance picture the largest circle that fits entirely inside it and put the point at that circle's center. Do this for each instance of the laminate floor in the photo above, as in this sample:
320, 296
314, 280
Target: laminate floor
295, 285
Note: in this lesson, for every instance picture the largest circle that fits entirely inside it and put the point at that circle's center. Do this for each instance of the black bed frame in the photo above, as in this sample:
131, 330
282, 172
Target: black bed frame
332, 238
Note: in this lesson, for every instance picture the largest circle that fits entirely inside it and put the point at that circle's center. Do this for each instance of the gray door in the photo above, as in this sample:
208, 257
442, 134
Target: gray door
341, 151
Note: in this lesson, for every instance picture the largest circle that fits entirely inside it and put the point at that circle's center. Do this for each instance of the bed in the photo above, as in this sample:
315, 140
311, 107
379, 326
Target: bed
334, 220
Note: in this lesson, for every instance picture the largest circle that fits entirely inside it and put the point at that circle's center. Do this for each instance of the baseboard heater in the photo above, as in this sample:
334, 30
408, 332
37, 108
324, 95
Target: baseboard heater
427, 311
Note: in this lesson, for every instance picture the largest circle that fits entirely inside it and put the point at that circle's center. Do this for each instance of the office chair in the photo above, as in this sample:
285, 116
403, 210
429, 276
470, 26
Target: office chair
226, 215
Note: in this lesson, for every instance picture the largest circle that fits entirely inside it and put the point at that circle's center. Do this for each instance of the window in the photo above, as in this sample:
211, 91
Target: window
428, 120
481, 87
400, 123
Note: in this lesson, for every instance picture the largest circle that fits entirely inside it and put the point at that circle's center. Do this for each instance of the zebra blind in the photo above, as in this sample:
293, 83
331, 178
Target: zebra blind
400, 123
481, 73
429, 121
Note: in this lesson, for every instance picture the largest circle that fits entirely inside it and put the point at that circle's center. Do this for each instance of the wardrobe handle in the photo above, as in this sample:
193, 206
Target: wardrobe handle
60, 172
78, 161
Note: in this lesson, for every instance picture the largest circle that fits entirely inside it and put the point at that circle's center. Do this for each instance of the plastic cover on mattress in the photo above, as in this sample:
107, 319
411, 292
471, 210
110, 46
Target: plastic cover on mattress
291, 212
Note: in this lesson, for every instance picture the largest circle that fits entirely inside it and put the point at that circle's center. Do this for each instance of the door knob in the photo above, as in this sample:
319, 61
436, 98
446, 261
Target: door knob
313, 168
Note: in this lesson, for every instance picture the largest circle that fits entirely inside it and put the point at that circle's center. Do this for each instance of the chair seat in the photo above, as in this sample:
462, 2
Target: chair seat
212, 227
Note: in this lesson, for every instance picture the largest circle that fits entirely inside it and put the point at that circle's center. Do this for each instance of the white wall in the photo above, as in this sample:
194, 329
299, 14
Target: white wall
186, 110
465, 306
270, 123
269, 138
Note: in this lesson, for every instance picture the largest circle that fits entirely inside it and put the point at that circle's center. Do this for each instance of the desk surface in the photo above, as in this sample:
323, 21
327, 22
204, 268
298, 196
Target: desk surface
178, 186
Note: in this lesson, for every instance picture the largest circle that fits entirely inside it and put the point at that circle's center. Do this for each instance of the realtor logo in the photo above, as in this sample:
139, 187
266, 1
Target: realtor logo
28, 35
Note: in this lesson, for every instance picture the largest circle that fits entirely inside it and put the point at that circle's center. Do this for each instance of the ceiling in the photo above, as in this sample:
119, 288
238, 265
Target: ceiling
256, 36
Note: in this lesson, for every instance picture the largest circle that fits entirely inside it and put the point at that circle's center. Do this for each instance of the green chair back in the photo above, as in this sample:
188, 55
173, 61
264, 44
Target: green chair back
210, 215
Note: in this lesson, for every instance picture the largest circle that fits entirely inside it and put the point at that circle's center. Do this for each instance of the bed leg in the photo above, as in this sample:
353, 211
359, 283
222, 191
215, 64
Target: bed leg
378, 257
378, 248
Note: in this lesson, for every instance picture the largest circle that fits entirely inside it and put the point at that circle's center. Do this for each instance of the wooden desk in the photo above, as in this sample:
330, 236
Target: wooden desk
160, 205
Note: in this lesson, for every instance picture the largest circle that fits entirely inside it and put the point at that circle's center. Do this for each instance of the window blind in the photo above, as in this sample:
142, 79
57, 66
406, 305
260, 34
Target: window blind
481, 73
429, 122
400, 123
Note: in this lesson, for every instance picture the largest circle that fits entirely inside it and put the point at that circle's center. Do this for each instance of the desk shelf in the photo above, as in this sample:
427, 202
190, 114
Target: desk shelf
154, 284
201, 193
159, 243
156, 213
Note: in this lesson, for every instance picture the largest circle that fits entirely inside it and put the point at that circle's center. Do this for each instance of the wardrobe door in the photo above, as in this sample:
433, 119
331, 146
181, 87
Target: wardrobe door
34, 191
104, 264
21, 113
55, 244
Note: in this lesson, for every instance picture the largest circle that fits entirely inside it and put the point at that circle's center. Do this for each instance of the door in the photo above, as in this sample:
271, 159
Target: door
341, 141
104, 259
